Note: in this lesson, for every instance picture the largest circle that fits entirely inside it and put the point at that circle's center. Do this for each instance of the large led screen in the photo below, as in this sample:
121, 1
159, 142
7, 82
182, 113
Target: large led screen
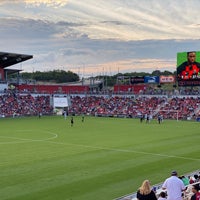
188, 68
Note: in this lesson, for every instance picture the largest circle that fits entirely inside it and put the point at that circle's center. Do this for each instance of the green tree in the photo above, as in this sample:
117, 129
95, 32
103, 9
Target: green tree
57, 76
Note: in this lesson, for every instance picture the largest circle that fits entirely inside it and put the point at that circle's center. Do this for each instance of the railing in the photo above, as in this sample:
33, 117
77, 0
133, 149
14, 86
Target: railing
158, 189
187, 194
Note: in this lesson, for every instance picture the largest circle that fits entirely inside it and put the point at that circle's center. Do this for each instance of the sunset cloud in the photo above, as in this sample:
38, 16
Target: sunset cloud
115, 35
53, 3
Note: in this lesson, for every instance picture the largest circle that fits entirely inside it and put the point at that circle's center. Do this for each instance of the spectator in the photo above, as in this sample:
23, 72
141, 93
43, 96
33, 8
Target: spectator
196, 177
189, 192
185, 180
174, 187
145, 192
191, 180
162, 196
196, 195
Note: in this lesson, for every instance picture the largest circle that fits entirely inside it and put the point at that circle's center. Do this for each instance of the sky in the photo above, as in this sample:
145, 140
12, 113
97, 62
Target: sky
99, 37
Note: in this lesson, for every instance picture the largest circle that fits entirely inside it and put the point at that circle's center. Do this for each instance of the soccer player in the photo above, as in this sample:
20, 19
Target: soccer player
72, 121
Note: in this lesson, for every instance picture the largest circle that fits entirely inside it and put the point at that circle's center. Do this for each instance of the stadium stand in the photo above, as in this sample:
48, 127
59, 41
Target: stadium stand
17, 105
133, 107
158, 188
7, 59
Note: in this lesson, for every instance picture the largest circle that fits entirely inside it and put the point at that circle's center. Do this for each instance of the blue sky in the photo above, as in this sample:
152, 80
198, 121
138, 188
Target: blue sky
99, 37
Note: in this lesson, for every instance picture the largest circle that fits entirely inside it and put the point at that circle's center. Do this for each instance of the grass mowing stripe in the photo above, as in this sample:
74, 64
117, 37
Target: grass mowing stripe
127, 151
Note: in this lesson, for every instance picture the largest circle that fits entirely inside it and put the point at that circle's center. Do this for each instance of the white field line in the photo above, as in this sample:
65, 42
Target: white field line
127, 151
22, 140
92, 147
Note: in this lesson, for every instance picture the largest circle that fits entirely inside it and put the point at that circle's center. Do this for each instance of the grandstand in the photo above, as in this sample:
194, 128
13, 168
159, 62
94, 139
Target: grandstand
158, 189
130, 106
9, 59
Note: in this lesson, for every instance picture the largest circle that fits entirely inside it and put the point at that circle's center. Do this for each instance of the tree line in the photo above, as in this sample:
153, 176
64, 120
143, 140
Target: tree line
61, 76
56, 76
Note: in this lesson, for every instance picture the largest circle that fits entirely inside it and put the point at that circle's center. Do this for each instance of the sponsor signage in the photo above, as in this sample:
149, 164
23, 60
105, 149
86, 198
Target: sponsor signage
167, 79
137, 79
195, 82
151, 79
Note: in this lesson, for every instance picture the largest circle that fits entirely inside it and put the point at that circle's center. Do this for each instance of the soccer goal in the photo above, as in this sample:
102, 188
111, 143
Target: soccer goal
169, 114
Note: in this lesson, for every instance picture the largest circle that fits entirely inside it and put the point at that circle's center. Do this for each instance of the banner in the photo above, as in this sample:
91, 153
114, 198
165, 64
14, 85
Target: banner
137, 79
151, 79
167, 79
183, 83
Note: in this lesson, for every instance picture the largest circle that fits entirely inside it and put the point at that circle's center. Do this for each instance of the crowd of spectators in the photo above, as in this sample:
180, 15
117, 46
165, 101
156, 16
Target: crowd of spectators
14, 104
174, 188
132, 107
129, 106
170, 92
189, 182
113, 106
184, 108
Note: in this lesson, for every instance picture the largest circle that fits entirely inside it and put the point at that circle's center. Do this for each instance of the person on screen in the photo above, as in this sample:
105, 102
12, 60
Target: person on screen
189, 69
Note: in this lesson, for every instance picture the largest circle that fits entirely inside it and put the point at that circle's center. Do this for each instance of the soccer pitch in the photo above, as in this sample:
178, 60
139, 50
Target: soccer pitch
100, 158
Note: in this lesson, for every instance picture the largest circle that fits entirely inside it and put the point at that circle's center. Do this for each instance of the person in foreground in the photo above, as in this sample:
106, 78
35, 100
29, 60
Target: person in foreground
145, 192
162, 196
195, 190
174, 187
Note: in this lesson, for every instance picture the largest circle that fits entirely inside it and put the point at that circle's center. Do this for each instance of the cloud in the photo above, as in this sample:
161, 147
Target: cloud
114, 19
26, 29
50, 3
109, 34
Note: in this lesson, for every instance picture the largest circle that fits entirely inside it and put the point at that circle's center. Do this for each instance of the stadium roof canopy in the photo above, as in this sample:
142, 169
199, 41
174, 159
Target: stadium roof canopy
9, 59
11, 71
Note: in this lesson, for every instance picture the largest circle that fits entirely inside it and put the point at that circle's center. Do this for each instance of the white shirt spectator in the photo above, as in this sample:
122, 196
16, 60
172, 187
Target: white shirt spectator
174, 187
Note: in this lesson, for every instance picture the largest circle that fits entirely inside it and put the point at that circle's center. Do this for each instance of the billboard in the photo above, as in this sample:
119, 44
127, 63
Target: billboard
167, 79
151, 79
188, 68
60, 102
137, 79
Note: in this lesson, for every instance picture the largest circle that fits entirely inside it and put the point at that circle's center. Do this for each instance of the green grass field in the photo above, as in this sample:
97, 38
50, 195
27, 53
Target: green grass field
101, 159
